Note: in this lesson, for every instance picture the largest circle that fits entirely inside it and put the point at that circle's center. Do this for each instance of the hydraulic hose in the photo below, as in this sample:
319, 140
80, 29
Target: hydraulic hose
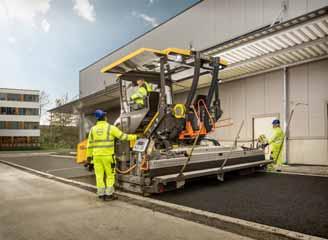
214, 83
194, 81
127, 170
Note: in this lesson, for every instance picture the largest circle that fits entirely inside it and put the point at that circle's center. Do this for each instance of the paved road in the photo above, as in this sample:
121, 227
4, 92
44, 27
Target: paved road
36, 208
293, 202
58, 166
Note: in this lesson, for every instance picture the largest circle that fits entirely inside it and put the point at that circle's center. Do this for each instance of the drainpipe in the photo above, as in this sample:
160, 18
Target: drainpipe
286, 113
82, 129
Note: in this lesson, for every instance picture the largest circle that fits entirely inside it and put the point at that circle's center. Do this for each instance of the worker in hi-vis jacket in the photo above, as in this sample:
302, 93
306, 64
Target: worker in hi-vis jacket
139, 96
101, 150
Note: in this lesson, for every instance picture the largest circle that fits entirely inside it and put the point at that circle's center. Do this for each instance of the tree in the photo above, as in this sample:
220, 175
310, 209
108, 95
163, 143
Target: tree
62, 131
60, 119
44, 101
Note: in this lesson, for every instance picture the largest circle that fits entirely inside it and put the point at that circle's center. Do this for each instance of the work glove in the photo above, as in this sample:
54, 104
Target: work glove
89, 164
265, 145
89, 159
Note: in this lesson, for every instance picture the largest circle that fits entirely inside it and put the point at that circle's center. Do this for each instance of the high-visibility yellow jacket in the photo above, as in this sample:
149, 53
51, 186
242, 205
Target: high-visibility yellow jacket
277, 137
101, 139
141, 93
276, 141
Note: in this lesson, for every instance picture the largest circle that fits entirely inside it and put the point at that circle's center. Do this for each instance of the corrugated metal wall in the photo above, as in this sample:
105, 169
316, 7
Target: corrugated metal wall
263, 94
309, 128
206, 24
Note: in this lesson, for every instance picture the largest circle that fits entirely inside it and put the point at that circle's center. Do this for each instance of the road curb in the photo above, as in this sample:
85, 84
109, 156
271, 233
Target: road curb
62, 156
30, 154
234, 225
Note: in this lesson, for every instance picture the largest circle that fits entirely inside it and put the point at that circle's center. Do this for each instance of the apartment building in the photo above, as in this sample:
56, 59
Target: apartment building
19, 118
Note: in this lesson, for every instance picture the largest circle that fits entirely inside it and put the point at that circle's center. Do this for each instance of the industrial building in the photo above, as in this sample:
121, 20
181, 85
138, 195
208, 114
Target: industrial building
19, 118
278, 64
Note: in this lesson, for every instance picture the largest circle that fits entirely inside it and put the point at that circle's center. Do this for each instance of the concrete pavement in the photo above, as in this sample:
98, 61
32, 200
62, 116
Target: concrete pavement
306, 170
33, 207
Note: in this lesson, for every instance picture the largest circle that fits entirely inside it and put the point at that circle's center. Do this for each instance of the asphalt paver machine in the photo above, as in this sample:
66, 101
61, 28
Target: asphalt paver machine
174, 144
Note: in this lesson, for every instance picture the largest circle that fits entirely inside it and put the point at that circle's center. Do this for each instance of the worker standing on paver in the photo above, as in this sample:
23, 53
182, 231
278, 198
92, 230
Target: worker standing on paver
275, 143
101, 150
140, 94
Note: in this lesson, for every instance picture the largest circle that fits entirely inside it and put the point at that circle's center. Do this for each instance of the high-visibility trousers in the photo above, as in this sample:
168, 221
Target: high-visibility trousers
274, 154
104, 167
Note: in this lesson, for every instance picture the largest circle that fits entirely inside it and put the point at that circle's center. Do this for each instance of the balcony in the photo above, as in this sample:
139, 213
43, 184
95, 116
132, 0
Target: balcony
19, 118
19, 104
20, 132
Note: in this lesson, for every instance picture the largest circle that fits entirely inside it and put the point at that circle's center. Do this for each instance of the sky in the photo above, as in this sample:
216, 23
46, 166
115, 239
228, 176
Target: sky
44, 43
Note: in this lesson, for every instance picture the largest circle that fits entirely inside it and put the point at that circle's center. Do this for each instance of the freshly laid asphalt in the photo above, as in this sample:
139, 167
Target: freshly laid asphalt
58, 166
292, 202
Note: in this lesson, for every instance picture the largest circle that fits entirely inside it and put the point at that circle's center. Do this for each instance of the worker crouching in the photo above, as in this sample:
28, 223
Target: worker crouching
101, 150
276, 145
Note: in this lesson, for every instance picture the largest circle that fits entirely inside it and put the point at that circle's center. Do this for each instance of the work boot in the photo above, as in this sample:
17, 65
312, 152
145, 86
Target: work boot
270, 167
278, 168
110, 197
102, 197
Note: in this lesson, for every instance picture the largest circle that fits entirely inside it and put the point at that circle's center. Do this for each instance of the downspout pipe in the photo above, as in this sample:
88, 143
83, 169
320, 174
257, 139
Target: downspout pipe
286, 112
81, 125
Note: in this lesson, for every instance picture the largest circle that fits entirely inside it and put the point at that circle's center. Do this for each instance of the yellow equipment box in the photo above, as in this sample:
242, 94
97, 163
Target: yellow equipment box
81, 156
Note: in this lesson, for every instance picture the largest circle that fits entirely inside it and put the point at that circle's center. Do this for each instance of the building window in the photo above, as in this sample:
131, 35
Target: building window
20, 140
31, 111
13, 125
5, 140
8, 111
13, 97
31, 98
20, 111
3, 96
2, 125
31, 125
34, 139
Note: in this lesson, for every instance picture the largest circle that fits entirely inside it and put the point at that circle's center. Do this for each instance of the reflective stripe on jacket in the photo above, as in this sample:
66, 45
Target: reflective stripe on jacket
141, 93
276, 142
277, 137
101, 139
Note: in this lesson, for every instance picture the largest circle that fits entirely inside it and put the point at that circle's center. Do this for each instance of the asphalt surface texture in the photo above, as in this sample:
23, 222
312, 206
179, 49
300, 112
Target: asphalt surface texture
293, 202
58, 166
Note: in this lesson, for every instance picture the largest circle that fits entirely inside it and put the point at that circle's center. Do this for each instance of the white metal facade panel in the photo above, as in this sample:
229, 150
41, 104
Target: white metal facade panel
318, 98
308, 84
274, 92
308, 151
314, 4
299, 94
